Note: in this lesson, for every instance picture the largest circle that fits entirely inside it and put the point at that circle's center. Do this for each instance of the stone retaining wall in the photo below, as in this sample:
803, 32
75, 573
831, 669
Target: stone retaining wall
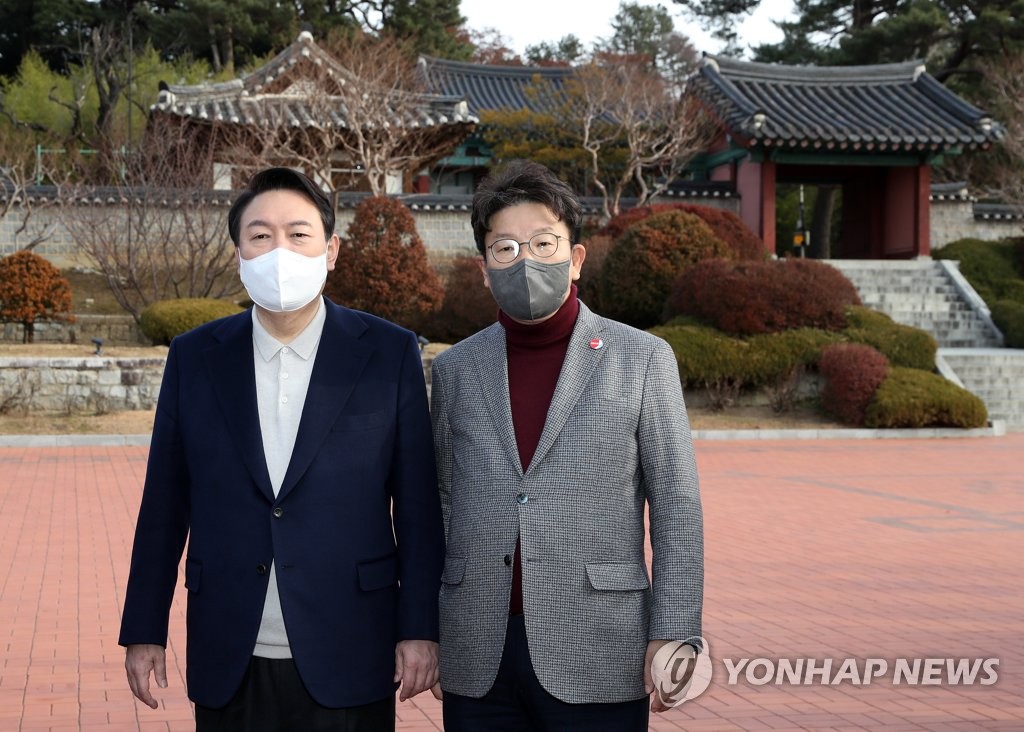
93, 385
100, 384
119, 330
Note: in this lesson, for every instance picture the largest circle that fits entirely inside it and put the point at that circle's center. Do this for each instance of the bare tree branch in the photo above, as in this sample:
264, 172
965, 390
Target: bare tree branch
164, 233
638, 131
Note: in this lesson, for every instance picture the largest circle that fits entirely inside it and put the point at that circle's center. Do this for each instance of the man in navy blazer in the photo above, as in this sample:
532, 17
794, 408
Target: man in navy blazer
292, 448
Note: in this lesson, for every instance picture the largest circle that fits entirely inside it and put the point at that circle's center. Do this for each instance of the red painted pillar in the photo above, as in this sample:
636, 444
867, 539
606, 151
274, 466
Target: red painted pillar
922, 209
767, 223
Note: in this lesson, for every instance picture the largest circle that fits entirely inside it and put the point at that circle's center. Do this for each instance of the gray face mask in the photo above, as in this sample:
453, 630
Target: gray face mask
530, 290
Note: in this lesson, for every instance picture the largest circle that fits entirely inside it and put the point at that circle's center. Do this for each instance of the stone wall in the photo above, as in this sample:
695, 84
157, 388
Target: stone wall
444, 229
441, 221
93, 385
121, 330
955, 218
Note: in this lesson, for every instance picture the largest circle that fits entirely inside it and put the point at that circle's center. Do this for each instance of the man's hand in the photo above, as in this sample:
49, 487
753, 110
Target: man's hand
652, 648
139, 661
678, 653
415, 667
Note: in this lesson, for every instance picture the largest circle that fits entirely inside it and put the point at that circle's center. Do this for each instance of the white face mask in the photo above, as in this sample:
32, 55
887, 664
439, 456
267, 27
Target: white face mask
282, 280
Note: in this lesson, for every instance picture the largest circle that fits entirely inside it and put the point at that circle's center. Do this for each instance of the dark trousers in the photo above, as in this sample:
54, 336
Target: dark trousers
272, 698
518, 703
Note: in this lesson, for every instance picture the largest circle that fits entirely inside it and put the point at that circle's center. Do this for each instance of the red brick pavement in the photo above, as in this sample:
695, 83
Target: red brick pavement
815, 549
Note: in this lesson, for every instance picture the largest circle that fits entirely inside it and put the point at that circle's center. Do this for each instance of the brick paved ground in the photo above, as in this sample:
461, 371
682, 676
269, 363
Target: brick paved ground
831, 549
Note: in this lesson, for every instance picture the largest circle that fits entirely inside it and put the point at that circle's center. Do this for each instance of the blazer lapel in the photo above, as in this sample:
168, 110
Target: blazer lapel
580, 361
233, 374
492, 370
340, 360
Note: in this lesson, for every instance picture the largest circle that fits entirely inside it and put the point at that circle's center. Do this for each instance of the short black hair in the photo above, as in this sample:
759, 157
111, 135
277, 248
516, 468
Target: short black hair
277, 179
524, 181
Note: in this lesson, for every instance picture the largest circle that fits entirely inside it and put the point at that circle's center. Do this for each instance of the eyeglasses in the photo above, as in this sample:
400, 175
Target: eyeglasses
541, 245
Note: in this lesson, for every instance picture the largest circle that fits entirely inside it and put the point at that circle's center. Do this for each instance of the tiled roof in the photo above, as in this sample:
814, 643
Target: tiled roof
998, 212
883, 108
952, 191
244, 101
491, 87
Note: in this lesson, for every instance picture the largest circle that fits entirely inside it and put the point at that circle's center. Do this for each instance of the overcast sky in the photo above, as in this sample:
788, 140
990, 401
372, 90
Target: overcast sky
526, 22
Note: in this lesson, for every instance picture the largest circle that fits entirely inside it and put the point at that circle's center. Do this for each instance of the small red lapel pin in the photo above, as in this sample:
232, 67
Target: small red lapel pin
596, 343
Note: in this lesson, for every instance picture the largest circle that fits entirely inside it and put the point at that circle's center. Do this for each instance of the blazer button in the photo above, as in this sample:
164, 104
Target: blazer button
522, 498
508, 560
278, 512
261, 569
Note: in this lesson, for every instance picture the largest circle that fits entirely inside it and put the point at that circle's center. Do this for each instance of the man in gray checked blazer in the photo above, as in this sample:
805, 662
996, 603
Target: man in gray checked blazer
552, 429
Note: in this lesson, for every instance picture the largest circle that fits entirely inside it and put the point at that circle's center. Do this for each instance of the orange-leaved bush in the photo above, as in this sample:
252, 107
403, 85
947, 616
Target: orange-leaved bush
589, 284
853, 372
382, 267
745, 298
742, 242
31, 290
638, 273
468, 305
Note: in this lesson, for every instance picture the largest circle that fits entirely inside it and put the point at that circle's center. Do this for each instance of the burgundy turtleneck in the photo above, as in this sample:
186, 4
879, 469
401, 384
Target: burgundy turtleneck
535, 356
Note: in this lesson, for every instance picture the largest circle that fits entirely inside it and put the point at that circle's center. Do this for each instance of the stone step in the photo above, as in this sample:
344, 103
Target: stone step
920, 293
996, 375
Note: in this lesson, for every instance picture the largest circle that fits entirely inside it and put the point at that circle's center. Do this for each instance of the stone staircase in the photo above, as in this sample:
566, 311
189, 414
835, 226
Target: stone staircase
994, 374
932, 295
924, 294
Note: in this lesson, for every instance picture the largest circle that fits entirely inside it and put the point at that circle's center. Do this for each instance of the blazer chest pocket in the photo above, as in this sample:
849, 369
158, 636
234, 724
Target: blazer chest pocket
360, 422
193, 573
378, 573
617, 576
611, 416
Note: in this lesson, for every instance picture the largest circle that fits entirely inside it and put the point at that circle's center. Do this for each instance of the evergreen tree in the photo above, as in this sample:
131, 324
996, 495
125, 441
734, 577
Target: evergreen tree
951, 37
431, 27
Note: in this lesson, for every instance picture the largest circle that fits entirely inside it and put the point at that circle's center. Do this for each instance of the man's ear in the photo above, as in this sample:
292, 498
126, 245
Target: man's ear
333, 247
483, 268
578, 254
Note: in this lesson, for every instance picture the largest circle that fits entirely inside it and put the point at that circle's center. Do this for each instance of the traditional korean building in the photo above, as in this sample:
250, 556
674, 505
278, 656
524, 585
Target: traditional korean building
296, 99
875, 131
485, 87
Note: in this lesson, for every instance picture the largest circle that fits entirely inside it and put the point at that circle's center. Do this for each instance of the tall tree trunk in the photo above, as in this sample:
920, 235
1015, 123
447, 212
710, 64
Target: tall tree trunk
214, 48
821, 223
229, 49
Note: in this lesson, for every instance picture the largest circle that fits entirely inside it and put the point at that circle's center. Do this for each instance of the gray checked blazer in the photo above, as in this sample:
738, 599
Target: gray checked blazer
616, 437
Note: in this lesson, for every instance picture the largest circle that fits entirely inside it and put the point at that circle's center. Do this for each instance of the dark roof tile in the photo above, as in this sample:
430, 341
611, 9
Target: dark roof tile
887, 107
490, 87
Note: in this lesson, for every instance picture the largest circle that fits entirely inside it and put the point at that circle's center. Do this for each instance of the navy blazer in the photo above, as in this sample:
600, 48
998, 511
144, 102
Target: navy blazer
355, 530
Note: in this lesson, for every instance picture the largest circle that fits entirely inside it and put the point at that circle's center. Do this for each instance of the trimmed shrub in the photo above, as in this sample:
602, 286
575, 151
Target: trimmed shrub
644, 262
166, 319
914, 398
853, 372
1008, 316
589, 283
727, 226
778, 354
764, 297
710, 360
382, 267
903, 345
32, 289
468, 304
988, 265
